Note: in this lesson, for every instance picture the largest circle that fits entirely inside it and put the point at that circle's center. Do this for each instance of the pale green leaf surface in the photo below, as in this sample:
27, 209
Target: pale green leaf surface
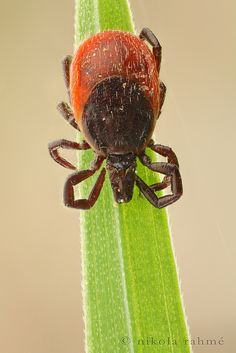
130, 284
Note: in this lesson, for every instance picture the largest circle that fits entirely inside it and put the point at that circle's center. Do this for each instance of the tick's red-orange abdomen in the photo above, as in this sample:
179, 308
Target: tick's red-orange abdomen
109, 54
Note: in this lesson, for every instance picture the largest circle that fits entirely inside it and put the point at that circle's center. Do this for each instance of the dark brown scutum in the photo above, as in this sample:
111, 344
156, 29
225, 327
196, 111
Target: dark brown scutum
118, 118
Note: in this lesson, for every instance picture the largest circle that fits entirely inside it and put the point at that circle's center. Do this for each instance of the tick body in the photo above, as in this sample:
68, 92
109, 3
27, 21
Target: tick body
116, 97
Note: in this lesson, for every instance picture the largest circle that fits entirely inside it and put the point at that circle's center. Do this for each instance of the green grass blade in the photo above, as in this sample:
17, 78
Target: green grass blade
130, 285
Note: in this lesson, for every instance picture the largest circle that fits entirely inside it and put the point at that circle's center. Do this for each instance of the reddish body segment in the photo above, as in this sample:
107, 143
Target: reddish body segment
109, 54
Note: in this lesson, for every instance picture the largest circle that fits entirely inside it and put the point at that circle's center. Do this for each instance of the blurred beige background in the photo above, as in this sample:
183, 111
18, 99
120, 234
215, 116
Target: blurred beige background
40, 295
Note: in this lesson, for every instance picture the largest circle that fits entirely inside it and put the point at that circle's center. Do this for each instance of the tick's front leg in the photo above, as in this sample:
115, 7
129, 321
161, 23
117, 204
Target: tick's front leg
176, 185
65, 144
173, 177
164, 151
78, 177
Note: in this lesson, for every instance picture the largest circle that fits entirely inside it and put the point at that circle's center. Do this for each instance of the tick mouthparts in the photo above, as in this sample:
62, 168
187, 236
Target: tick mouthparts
121, 169
121, 161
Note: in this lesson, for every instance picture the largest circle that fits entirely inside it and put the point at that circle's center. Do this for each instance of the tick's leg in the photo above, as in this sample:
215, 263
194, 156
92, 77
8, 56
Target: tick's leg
164, 151
65, 110
63, 107
147, 34
162, 185
76, 178
65, 144
162, 95
169, 169
158, 202
66, 62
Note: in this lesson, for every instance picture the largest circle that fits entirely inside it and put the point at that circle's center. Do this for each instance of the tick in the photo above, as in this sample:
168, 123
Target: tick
116, 98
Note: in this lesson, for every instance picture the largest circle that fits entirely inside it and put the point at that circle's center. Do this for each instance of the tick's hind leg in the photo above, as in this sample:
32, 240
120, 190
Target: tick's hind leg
78, 177
147, 34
